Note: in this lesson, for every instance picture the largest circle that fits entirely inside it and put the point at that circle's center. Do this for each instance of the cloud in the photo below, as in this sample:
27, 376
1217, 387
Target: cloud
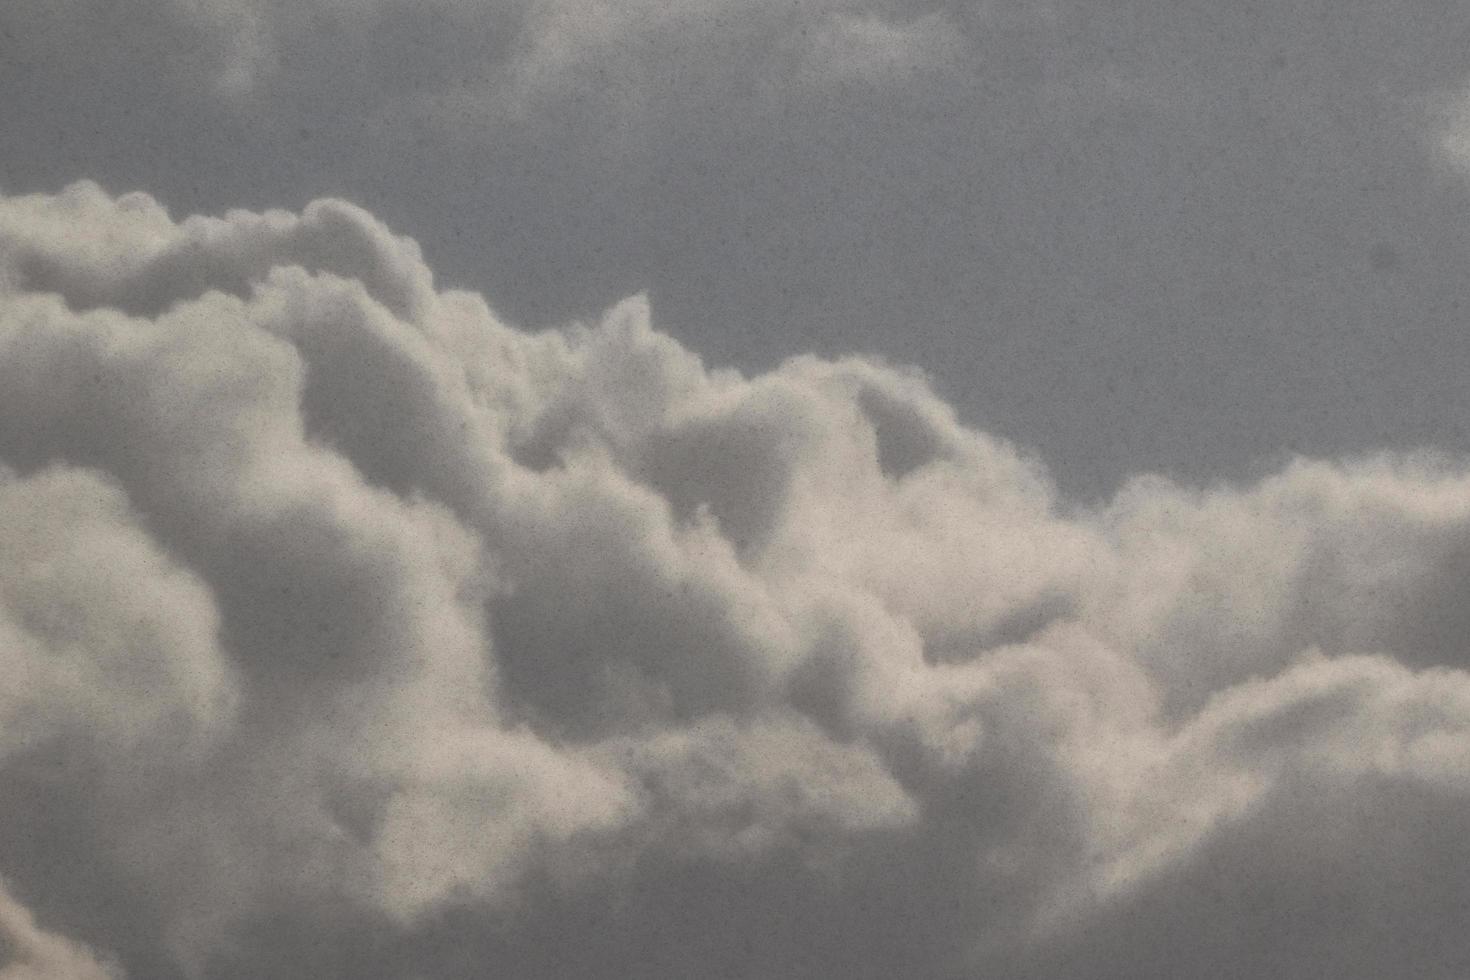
868, 48
31, 953
353, 631
1448, 116
1331, 797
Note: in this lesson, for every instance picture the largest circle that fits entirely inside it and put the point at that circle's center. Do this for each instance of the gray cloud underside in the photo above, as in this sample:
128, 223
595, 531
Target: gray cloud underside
351, 632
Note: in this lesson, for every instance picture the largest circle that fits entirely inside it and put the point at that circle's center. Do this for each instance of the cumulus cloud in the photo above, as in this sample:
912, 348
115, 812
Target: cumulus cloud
352, 631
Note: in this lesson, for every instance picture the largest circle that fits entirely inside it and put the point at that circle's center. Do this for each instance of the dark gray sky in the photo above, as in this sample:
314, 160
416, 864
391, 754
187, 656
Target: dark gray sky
1182, 236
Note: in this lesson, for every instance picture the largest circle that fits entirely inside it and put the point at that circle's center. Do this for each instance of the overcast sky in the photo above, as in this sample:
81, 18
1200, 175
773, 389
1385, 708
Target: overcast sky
1180, 236
768, 489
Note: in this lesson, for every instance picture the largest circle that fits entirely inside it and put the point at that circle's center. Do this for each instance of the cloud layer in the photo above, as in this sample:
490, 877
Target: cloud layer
351, 631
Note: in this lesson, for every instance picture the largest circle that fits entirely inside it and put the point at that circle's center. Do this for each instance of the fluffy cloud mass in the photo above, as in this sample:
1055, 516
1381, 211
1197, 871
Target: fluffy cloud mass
350, 631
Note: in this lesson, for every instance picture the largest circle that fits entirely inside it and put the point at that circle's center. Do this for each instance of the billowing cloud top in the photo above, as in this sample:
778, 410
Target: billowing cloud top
351, 632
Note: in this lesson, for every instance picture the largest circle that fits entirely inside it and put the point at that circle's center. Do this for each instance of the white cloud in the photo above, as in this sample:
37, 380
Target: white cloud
350, 610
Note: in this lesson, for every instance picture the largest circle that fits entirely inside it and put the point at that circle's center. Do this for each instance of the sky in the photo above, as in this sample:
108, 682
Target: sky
744, 490
1181, 237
